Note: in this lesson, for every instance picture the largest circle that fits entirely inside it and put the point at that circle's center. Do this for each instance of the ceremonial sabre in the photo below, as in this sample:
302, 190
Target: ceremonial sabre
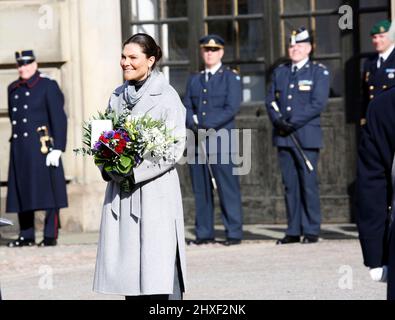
45, 140
210, 170
307, 162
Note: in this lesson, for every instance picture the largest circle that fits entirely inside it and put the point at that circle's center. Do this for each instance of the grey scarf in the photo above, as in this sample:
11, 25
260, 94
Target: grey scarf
131, 96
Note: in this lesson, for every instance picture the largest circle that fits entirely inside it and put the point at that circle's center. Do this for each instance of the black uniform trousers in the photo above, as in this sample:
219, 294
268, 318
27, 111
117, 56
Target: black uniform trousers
229, 196
301, 191
26, 224
391, 265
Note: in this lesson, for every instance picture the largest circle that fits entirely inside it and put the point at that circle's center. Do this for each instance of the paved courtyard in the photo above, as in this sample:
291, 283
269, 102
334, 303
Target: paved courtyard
257, 269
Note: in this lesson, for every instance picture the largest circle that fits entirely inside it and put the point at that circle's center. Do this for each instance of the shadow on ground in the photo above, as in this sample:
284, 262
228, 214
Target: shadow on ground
340, 233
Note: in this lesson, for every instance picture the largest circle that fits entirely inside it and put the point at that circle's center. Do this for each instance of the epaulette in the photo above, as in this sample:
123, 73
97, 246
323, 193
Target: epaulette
320, 64
235, 71
43, 75
322, 67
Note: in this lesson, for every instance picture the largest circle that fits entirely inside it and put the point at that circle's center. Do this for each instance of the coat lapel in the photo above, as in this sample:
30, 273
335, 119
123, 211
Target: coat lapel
151, 98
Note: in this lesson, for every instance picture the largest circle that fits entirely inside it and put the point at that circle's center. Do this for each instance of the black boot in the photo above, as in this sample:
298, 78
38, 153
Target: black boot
21, 242
48, 242
288, 239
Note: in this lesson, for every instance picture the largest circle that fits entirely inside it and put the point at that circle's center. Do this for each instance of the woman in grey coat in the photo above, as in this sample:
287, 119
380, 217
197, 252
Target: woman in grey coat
141, 252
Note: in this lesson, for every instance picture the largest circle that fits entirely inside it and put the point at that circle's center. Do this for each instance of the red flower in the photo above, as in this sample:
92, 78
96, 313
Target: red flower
102, 138
119, 149
117, 136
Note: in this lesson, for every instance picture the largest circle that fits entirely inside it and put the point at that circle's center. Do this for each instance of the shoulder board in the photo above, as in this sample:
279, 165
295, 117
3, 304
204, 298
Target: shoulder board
45, 76
322, 65
235, 71
283, 65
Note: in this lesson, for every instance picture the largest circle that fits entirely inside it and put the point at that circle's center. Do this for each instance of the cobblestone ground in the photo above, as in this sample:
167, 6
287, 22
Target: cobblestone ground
257, 269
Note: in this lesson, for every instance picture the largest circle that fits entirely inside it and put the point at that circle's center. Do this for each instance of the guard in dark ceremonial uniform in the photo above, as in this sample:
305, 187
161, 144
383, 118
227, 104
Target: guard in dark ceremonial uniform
212, 100
300, 89
375, 189
39, 128
379, 70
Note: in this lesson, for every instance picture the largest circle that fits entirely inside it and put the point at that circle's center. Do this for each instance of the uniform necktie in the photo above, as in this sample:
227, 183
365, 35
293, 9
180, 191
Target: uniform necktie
209, 75
294, 69
381, 61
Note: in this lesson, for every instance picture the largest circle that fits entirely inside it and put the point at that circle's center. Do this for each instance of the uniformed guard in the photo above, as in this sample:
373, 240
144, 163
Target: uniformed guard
378, 70
39, 127
375, 186
212, 100
300, 90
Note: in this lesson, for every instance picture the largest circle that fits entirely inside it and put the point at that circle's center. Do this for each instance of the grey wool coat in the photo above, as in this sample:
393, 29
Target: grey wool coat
140, 232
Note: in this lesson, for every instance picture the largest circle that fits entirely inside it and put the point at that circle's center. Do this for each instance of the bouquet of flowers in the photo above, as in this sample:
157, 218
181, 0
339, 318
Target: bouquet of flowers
125, 147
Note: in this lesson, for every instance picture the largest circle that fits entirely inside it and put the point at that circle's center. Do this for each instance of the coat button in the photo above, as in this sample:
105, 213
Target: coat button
292, 86
25, 106
16, 97
14, 123
385, 87
15, 109
289, 109
15, 136
371, 97
289, 97
203, 114
371, 87
24, 120
204, 90
204, 102
27, 93
25, 134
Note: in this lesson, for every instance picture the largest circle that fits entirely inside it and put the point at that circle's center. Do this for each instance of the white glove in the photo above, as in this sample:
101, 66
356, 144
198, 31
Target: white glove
379, 274
53, 158
195, 119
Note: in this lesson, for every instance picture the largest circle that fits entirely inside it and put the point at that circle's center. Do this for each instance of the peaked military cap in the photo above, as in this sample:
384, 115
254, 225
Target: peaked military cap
24, 57
212, 41
299, 35
380, 27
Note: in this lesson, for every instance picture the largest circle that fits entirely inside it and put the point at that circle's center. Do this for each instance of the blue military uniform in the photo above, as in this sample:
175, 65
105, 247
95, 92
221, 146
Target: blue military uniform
32, 185
376, 80
374, 189
215, 102
301, 97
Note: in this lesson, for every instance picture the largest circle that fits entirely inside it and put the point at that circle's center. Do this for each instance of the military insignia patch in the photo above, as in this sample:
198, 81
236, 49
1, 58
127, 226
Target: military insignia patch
305, 88
367, 76
305, 82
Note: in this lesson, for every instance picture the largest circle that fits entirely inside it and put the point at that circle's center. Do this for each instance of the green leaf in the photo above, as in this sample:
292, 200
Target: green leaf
125, 161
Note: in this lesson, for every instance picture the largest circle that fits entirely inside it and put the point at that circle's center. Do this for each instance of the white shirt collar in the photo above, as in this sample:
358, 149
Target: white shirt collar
300, 64
387, 53
214, 69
